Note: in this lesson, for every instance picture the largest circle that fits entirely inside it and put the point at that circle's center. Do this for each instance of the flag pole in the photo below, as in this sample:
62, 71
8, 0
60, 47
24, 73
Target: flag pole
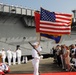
38, 37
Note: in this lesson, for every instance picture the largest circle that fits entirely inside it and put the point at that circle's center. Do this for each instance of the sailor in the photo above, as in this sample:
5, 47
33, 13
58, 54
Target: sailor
3, 55
14, 57
18, 53
36, 58
9, 56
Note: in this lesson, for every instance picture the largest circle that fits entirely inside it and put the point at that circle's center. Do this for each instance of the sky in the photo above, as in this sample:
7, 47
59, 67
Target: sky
63, 6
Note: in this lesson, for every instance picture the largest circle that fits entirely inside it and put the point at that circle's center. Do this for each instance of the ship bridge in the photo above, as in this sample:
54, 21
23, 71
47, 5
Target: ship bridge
26, 15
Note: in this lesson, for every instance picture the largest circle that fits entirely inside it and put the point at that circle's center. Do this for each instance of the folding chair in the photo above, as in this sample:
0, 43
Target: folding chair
72, 67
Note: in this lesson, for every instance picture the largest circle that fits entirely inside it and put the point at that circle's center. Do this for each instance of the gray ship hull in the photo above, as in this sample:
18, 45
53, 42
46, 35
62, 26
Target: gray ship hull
13, 32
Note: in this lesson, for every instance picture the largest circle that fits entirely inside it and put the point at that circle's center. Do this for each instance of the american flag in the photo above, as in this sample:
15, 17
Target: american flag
54, 23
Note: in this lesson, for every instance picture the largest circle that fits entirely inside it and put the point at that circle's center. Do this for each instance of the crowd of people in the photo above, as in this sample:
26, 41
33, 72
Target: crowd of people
65, 56
11, 54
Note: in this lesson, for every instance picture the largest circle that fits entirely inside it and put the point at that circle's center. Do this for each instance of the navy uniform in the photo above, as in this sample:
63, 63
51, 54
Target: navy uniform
9, 56
14, 57
3, 55
19, 53
36, 57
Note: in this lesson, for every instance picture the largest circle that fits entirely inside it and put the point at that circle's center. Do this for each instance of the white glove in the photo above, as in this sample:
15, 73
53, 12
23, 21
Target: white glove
41, 56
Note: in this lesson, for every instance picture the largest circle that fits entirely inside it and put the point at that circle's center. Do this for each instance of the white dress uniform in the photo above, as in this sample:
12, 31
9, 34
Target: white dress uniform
9, 56
14, 57
3, 55
36, 59
19, 53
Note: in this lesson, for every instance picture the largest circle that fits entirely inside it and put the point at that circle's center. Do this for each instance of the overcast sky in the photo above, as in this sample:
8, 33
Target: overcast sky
65, 6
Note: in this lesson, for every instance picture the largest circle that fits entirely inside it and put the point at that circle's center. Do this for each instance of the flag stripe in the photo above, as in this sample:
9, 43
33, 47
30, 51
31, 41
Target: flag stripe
53, 27
52, 30
54, 33
54, 23
68, 15
64, 18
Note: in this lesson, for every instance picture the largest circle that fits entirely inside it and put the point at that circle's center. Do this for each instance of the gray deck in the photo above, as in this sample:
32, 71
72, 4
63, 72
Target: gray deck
46, 65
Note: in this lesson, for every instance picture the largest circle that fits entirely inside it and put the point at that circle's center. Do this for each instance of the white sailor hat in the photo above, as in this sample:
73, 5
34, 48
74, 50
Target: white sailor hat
36, 43
2, 48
